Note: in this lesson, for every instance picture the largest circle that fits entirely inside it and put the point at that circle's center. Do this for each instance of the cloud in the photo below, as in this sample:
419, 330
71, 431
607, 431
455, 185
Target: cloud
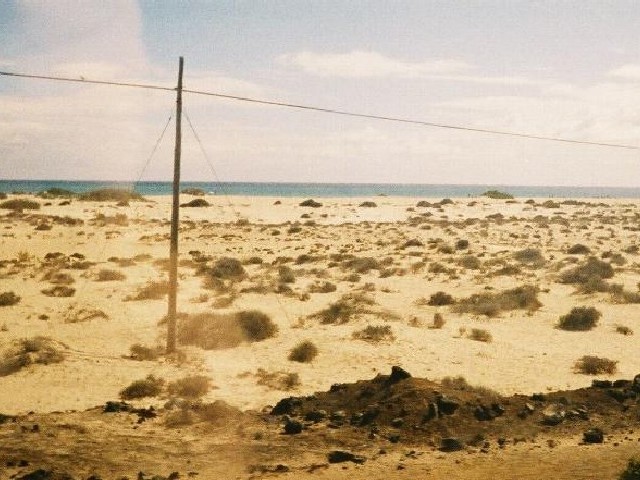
626, 72
360, 64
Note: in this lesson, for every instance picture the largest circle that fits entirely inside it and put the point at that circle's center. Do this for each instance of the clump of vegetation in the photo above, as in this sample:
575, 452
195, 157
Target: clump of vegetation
497, 195
632, 472
620, 295
196, 202
151, 386
30, 351
286, 274
480, 335
151, 291
580, 319
441, 298
108, 275
323, 287
589, 276
110, 195
228, 268
470, 261
344, 309
194, 386
492, 304
57, 192
578, 249
211, 331
437, 267
374, 333
529, 256
59, 291
413, 242
592, 365
438, 321
460, 383
141, 353
8, 299
462, 244
197, 192
310, 203
624, 330
20, 204
362, 264
277, 380
3, 196
304, 352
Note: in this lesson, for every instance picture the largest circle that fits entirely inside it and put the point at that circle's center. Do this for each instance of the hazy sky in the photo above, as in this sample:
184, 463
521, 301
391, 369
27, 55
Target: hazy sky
552, 68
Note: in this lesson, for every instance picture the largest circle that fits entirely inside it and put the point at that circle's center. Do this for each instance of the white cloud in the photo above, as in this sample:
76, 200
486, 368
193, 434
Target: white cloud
359, 64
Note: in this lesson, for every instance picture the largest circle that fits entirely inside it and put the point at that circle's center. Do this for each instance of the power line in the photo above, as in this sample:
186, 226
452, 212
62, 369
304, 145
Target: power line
331, 111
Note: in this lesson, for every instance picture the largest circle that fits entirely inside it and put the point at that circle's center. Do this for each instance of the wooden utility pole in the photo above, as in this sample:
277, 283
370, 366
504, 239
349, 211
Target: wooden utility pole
175, 220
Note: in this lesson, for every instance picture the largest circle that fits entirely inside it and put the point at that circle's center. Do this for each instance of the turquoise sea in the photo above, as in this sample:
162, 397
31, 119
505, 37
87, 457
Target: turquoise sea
326, 189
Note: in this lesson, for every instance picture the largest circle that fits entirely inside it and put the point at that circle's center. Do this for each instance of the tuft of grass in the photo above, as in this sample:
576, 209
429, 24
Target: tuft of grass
108, 275
620, 295
303, 352
8, 299
374, 333
151, 291
59, 291
227, 268
362, 264
580, 319
578, 249
30, 351
211, 331
324, 287
438, 321
369, 204
141, 353
151, 386
480, 335
110, 195
286, 274
529, 256
470, 261
440, 298
20, 204
57, 192
194, 386
277, 380
592, 365
344, 309
460, 383
492, 304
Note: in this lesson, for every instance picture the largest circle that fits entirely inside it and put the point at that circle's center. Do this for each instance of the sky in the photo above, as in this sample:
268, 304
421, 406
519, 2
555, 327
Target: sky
551, 68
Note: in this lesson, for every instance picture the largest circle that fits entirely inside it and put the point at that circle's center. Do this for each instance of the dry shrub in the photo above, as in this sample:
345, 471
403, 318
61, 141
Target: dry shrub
58, 278
438, 321
592, 365
578, 249
480, 335
470, 261
530, 256
362, 264
462, 244
194, 386
8, 299
20, 204
210, 331
110, 195
492, 304
632, 472
304, 352
460, 383
593, 271
344, 309
624, 330
196, 192
81, 315
620, 295
508, 270
277, 380
374, 333
59, 291
141, 353
310, 203
227, 268
324, 287
30, 351
497, 195
436, 267
151, 386
151, 291
580, 319
286, 274
440, 298
108, 275
102, 220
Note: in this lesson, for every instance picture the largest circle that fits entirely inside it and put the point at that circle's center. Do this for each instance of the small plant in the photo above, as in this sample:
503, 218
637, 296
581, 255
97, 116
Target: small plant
194, 386
110, 195
277, 380
470, 261
624, 330
578, 249
286, 274
462, 244
141, 353
20, 204
362, 264
460, 383
580, 319
228, 268
196, 202
324, 287
480, 335
107, 275
59, 291
592, 365
304, 352
492, 304
497, 195
310, 203
438, 321
374, 333
30, 351
440, 298
196, 192
632, 472
257, 326
529, 256
590, 271
151, 291
8, 299
151, 386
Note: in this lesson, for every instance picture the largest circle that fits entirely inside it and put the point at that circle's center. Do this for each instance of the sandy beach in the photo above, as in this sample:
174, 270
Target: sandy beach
321, 274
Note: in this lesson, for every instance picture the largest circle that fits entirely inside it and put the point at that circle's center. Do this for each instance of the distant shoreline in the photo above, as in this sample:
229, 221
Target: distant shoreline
327, 190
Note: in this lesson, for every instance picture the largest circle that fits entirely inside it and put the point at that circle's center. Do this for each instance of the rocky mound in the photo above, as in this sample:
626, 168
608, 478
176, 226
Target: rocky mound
400, 407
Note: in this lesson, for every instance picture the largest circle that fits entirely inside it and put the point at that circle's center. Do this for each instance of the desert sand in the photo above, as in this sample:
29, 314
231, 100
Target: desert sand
375, 265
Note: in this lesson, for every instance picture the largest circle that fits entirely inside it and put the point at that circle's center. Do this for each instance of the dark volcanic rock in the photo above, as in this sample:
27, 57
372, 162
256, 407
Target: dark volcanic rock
339, 456
593, 435
286, 406
398, 374
451, 444
292, 427
447, 406
601, 383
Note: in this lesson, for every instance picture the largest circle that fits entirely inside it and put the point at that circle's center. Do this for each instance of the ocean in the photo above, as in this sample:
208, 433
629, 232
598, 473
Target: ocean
326, 189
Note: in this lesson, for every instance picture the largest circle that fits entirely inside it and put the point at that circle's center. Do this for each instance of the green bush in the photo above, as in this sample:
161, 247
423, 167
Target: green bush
304, 352
150, 386
257, 326
580, 319
227, 268
492, 304
441, 298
